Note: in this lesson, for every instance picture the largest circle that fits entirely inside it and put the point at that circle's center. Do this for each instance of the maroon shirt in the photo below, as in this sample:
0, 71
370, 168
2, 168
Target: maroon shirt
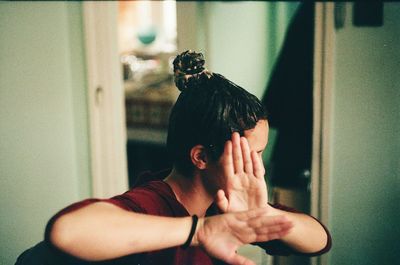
157, 198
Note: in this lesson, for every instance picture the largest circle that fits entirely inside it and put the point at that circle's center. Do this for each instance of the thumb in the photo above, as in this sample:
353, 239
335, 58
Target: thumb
240, 260
221, 201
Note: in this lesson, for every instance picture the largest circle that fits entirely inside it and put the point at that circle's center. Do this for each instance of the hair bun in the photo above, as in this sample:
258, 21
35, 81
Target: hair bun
188, 65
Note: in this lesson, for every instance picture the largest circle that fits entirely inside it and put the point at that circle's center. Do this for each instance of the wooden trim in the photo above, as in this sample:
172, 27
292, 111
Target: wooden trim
106, 100
322, 118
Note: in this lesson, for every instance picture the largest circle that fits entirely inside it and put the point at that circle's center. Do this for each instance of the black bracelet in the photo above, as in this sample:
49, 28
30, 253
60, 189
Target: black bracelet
192, 231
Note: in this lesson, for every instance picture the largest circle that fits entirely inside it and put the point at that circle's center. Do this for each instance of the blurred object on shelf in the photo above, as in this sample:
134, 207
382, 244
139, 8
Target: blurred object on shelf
150, 91
150, 106
142, 68
147, 35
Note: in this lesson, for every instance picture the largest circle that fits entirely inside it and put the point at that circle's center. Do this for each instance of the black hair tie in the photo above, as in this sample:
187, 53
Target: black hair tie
192, 231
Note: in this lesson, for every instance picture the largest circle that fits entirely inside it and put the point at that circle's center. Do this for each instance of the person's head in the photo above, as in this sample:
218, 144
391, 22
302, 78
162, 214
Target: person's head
208, 110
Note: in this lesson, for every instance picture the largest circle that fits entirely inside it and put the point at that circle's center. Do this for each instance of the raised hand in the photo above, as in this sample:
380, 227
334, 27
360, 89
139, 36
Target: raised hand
222, 235
243, 170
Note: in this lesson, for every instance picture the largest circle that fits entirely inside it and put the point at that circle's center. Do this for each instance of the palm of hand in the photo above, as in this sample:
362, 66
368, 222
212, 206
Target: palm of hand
243, 170
232, 233
245, 192
222, 235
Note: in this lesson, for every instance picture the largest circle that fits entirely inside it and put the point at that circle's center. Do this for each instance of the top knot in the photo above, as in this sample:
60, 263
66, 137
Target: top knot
188, 67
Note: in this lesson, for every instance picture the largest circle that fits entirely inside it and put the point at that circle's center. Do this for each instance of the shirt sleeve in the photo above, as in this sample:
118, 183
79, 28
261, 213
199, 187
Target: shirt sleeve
279, 248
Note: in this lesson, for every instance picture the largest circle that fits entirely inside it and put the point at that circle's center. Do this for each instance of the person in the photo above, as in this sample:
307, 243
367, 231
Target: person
213, 201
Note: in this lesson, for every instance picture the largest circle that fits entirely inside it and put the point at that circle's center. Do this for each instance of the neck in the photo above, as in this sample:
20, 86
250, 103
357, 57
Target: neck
190, 192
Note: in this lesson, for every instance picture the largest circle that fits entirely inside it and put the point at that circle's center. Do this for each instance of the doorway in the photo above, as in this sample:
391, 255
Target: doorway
147, 46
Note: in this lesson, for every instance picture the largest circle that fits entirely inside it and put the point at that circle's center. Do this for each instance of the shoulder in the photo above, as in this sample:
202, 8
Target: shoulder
154, 197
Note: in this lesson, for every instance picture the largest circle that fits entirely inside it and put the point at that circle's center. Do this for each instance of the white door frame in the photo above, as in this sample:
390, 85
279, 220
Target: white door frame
105, 99
324, 33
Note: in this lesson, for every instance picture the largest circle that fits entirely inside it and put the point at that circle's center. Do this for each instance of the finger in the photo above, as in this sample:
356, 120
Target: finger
221, 201
237, 259
271, 236
273, 232
258, 166
281, 228
237, 153
255, 213
267, 221
247, 159
227, 162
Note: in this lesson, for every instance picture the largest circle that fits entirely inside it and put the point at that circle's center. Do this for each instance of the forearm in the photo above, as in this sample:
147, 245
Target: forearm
104, 231
307, 234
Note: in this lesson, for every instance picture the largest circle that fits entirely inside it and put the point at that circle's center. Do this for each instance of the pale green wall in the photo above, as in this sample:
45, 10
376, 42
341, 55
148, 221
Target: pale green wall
365, 175
244, 39
44, 157
237, 41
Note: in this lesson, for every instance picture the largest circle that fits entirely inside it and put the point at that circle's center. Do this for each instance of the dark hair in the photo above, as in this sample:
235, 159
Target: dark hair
208, 110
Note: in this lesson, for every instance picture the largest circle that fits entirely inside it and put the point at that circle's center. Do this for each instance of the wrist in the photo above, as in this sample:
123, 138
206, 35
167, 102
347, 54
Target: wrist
272, 211
196, 238
192, 232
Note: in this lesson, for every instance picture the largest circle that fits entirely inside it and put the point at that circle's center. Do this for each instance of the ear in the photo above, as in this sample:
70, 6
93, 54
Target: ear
198, 156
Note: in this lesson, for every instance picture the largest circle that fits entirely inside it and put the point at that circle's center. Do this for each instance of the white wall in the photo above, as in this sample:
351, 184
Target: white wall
366, 143
44, 157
